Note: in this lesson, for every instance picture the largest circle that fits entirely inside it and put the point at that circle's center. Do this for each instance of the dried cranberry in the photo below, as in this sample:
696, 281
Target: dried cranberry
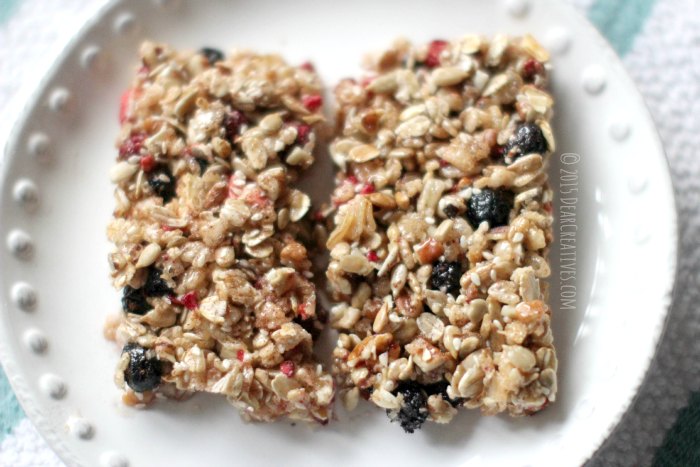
308, 66
434, 50
189, 300
312, 101
531, 68
301, 311
132, 145
124, 103
497, 151
233, 121
287, 368
367, 189
303, 132
372, 256
147, 162
240, 355
352, 179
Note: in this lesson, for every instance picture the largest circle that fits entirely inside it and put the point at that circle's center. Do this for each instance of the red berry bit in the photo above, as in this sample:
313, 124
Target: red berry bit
312, 102
372, 256
352, 179
308, 66
173, 298
233, 121
189, 300
148, 162
287, 368
132, 146
240, 355
257, 198
124, 104
303, 132
531, 68
434, 50
497, 151
301, 311
367, 189
235, 187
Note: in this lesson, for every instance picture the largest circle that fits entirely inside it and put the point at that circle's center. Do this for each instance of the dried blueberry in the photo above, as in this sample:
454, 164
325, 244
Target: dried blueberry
440, 388
445, 276
213, 55
311, 326
143, 371
492, 206
203, 165
155, 285
528, 138
233, 121
414, 410
451, 211
162, 183
134, 301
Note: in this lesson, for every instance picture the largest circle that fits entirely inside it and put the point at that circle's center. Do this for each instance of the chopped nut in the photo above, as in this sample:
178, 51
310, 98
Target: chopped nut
441, 222
205, 198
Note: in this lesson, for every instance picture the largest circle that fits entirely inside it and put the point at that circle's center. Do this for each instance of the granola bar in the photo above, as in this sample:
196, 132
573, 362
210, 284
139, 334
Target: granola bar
209, 233
441, 222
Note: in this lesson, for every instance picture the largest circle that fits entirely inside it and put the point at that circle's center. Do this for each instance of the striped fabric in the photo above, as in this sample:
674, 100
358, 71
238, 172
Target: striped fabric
659, 41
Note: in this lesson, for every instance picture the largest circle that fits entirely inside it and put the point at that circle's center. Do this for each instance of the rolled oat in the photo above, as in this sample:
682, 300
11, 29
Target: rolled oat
441, 220
210, 234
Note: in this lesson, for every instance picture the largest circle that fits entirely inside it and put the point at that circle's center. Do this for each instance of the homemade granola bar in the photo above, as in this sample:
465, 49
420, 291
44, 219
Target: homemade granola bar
441, 222
209, 233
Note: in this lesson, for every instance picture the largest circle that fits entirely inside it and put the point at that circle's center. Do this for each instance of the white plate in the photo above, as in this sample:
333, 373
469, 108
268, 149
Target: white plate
61, 367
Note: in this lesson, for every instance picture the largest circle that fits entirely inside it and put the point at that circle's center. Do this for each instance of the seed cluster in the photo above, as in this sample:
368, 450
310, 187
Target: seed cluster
211, 236
439, 229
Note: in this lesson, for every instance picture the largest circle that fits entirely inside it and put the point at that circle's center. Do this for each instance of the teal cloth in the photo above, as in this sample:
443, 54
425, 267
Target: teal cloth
620, 21
10, 411
6, 9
